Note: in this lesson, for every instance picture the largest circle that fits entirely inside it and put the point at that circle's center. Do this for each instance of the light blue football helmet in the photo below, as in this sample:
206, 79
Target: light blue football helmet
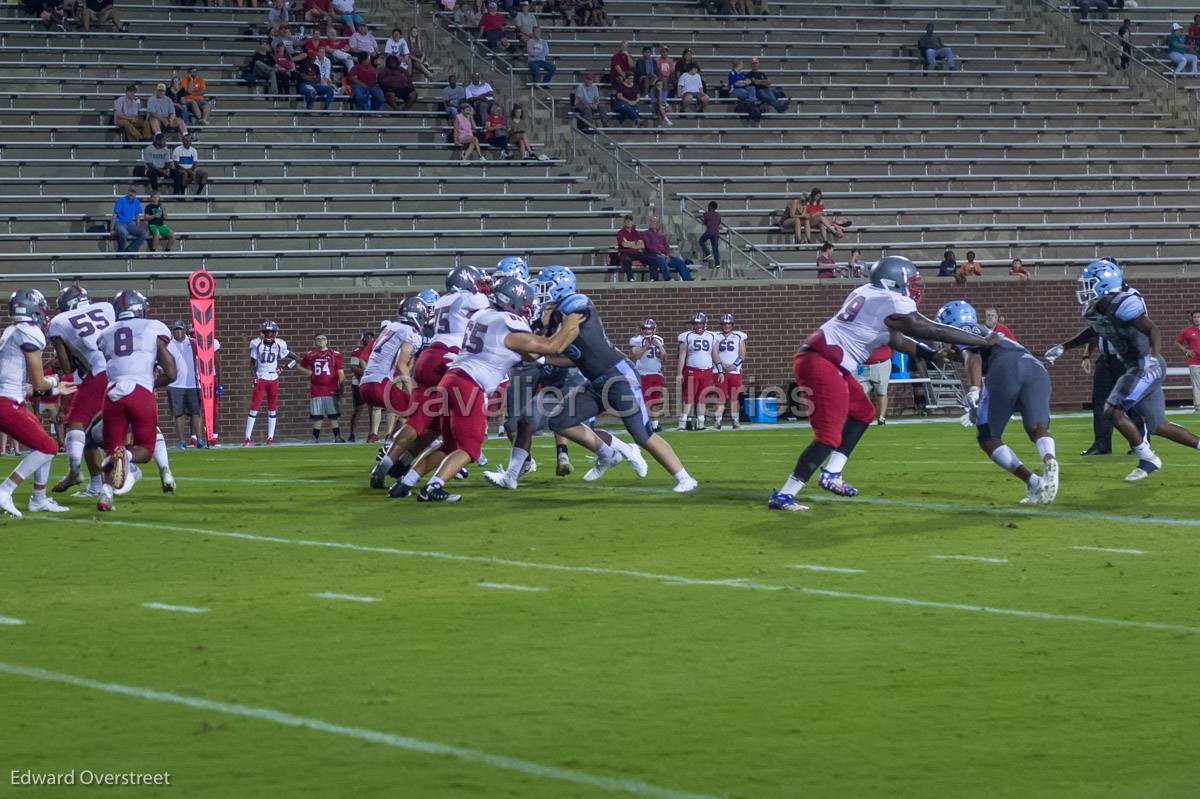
555, 284
429, 296
957, 313
1090, 274
511, 266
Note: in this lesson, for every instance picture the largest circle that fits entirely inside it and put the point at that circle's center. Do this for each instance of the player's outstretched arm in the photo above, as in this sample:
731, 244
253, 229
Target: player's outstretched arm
919, 327
166, 362
1082, 338
538, 345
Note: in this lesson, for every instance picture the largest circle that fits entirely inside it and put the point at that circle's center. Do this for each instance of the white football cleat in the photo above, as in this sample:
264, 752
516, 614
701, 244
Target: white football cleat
602, 466
1033, 491
637, 461
168, 480
1049, 487
87, 492
685, 485
563, 467
6, 505
1144, 469
500, 480
132, 475
46, 505
530, 466
105, 499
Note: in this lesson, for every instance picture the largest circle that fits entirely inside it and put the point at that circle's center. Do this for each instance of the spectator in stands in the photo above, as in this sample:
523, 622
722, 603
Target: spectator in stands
1193, 33
278, 14
464, 133
691, 89
710, 240
537, 51
1179, 51
932, 48
416, 54
659, 100
396, 45
591, 12
794, 221
664, 67
856, 267
397, 84
517, 137
156, 223
625, 99
52, 13
320, 60
740, 87
336, 46
619, 65
363, 43
968, 268
318, 12
948, 267
127, 221
345, 10
630, 248
1188, 342
312, 85
184, 106
184, 161
160, 112
492, 25
826, 263
193, 86
127, 115
763, 89
658, 248
262, 66
453, 96
992, 319
1125, 37
814, 214
156, 159
495, 131
525, 21
468, 16
587, 103
100, 11
568, 10
644, 71
364, 85
481, 95
1017, 270
686, 59
285, 68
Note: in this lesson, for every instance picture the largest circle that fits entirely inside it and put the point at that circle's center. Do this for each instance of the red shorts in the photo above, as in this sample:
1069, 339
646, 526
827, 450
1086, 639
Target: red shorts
265, 388
652, 390
832, 394
136, 411
464, 425
428, 372
385, 394
87, 400
696, 384
729, 386
20, 424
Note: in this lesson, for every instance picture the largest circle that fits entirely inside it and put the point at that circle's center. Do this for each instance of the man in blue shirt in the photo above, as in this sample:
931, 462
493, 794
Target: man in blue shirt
740, 85
127, 214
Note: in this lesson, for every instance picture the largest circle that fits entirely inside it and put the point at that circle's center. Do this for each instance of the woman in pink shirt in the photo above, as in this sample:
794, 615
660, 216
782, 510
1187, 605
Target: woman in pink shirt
464, 132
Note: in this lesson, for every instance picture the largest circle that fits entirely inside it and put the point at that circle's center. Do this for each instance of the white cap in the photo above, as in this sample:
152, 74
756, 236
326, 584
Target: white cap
1175, 26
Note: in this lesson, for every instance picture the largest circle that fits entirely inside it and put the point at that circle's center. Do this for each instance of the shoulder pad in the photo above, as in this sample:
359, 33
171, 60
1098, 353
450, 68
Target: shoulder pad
576, 303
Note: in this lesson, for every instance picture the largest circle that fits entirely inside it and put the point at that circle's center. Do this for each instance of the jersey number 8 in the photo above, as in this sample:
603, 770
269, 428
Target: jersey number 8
123, 341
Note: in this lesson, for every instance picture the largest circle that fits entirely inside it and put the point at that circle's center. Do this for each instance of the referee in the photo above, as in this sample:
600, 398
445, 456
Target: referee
1105, 370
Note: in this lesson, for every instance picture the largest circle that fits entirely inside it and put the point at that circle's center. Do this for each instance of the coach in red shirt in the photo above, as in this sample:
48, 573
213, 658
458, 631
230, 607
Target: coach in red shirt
324, 368
1188, 340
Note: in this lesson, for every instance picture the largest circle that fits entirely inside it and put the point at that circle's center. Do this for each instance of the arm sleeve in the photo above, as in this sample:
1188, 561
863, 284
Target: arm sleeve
576, 303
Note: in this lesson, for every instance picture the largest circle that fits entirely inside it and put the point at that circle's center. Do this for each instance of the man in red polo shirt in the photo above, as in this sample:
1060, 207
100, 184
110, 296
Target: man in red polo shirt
1188, 341
630, 248
324, 368
991, 319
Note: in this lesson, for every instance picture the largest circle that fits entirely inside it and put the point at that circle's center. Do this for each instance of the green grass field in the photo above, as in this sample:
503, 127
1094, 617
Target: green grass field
671, 648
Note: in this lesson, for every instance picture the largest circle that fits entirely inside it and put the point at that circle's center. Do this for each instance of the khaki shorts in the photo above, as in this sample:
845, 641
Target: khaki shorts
875, 377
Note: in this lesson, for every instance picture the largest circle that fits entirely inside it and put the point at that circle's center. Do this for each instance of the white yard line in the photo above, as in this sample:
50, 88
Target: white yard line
9, 621
976, 558
615, 784
511, 587
1113, 550
816, 567
174, 608
668, 578
282, 481
347, 597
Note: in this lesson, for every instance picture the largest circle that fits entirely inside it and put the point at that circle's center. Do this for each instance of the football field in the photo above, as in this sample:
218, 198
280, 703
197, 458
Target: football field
277, 629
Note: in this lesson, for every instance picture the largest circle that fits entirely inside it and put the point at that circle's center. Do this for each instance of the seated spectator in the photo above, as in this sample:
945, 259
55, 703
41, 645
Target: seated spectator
516, 135
795, 222
826, 264
587, 103
856, 267
659, 100
814, 214
1193, 34
625, 99
740, 87
160, 112
100, 11
397, 84
453, 96
324, 67
193, 87
658, 249
1017, 270
156, 223
127, 115
685, 60
127, 221
619, 65
397, 46
712, 235
568, 10
495, 131
156, 160
644, 71
968, 268
691, 89
185, 107
481, 95
285, 67
184, 162
931, 47
591, 12
312, 85
1179, 51
468, 16
525, 22
492, 26
345, 10
763, 89
631, 248
537, 50
664, 67
948, 267
262, 67
278, 14
362, 42
318, 12
464, 133
364, 86
335, 46
52, 13
416, 54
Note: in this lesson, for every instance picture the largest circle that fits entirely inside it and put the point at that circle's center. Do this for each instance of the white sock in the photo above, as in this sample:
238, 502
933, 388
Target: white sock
1045, 447
75, 439
735, 413
271, 424
435, 482
620, 446
250, 419
1143, 450
606, 453
385, 464
410, 478
792, 486
8, 487
41, 476
837, 462
516, 462
699, 420
160, 452
38, 492
681, 475
31, 463
683, 420
96, 481
1005, 458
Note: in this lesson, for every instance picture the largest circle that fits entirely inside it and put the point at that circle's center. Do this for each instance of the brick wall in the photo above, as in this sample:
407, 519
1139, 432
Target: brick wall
776, 317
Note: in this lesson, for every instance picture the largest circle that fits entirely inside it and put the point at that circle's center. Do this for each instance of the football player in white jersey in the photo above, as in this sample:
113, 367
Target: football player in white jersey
731, 354
496, 339
20, 369
883, 310
132, 348
267, 351
697, 348
646, 352
73, 332
393, 354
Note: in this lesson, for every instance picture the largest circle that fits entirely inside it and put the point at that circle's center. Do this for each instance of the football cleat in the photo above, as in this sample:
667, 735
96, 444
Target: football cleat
371, 439
87, 492
530, 466
73, 478
339, 440
439, 494
399, 491
834, 484
181, 445
500, 479
463, 474
602, 466
736, 424
378, 475
245, 442
46, 505
1049, 487
168, 481
132, 475
564, 467
114, 464
685, 485
481, 460
786, 502
1033, 490
105, 500
1144, 469
639, 463
717, 424
270, 442
6, 505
